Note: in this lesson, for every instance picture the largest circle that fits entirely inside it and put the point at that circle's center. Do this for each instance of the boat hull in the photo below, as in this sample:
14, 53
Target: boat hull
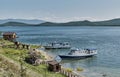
74, 57
46, 47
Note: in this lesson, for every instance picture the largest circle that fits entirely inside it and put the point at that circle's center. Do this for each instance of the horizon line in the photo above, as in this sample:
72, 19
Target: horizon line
56, 21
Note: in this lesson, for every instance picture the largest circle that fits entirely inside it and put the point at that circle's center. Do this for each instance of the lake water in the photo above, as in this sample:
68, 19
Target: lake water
105, 39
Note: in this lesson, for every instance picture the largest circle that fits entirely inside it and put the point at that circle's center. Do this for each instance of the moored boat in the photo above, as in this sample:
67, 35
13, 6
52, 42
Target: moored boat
79, 54
57, 45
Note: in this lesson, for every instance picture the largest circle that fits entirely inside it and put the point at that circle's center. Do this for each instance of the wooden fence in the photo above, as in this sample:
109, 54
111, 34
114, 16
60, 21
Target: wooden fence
68, 74
23, 46
63, 71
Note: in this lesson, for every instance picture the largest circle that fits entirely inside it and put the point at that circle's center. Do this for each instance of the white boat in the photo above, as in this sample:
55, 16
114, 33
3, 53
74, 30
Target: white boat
57, 45
79, 54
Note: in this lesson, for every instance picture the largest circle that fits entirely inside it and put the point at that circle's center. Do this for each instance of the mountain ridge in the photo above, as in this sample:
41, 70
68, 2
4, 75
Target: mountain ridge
11, 23
27, 21
112, 22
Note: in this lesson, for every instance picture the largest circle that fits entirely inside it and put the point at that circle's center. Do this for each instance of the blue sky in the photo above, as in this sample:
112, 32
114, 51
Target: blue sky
60, 10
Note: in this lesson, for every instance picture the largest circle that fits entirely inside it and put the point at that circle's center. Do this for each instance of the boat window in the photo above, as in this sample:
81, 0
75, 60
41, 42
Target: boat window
70, 53
66, 43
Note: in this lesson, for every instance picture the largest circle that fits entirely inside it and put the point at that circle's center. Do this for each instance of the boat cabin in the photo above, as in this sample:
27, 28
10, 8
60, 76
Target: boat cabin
57, 45
84, 51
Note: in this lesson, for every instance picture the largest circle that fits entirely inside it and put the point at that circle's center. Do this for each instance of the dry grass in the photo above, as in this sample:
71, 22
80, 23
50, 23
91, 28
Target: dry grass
10, 59
79, 69
68, 69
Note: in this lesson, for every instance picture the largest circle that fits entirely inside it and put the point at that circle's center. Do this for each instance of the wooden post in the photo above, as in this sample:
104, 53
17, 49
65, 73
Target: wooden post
69, 74
18, 45
61, 71
23, 46
64, 72
28, 47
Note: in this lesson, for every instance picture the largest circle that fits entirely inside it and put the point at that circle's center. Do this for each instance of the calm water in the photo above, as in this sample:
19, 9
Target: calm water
105, 39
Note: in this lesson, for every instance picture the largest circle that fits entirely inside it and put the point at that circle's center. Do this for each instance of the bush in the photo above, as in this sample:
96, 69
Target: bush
79, 69
69, 70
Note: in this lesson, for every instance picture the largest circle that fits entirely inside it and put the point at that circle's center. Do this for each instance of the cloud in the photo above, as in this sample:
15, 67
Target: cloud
54, 18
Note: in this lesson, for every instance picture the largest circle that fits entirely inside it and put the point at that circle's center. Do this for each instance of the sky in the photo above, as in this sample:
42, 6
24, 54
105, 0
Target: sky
60, 10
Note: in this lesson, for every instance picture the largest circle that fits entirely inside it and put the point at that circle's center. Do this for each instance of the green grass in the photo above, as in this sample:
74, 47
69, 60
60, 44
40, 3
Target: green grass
68, 69
79, 69
14, 54
35, 46
42, 69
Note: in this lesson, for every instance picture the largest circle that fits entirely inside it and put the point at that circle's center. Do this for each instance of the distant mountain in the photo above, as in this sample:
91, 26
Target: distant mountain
14, 24
113, 22
33, 21
109, 22
76, 23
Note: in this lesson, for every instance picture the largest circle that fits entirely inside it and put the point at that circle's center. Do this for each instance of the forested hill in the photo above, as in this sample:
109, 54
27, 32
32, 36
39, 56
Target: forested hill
113, 22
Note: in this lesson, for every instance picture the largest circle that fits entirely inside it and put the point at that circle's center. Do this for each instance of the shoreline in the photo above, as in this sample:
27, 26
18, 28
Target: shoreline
9, 48
14, 54
47, 56
50, 58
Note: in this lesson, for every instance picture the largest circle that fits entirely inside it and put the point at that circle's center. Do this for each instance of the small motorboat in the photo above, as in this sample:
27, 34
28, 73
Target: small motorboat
79, 54
57, 45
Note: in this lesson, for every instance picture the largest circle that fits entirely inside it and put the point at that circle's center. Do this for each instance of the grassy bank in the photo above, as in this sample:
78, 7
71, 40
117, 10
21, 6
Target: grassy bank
10, 53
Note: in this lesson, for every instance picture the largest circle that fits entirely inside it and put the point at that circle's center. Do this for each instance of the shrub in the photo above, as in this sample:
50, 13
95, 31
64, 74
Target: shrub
69, 70
79, 69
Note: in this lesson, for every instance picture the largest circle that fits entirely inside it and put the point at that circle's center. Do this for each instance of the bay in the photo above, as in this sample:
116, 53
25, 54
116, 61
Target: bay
105, 39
